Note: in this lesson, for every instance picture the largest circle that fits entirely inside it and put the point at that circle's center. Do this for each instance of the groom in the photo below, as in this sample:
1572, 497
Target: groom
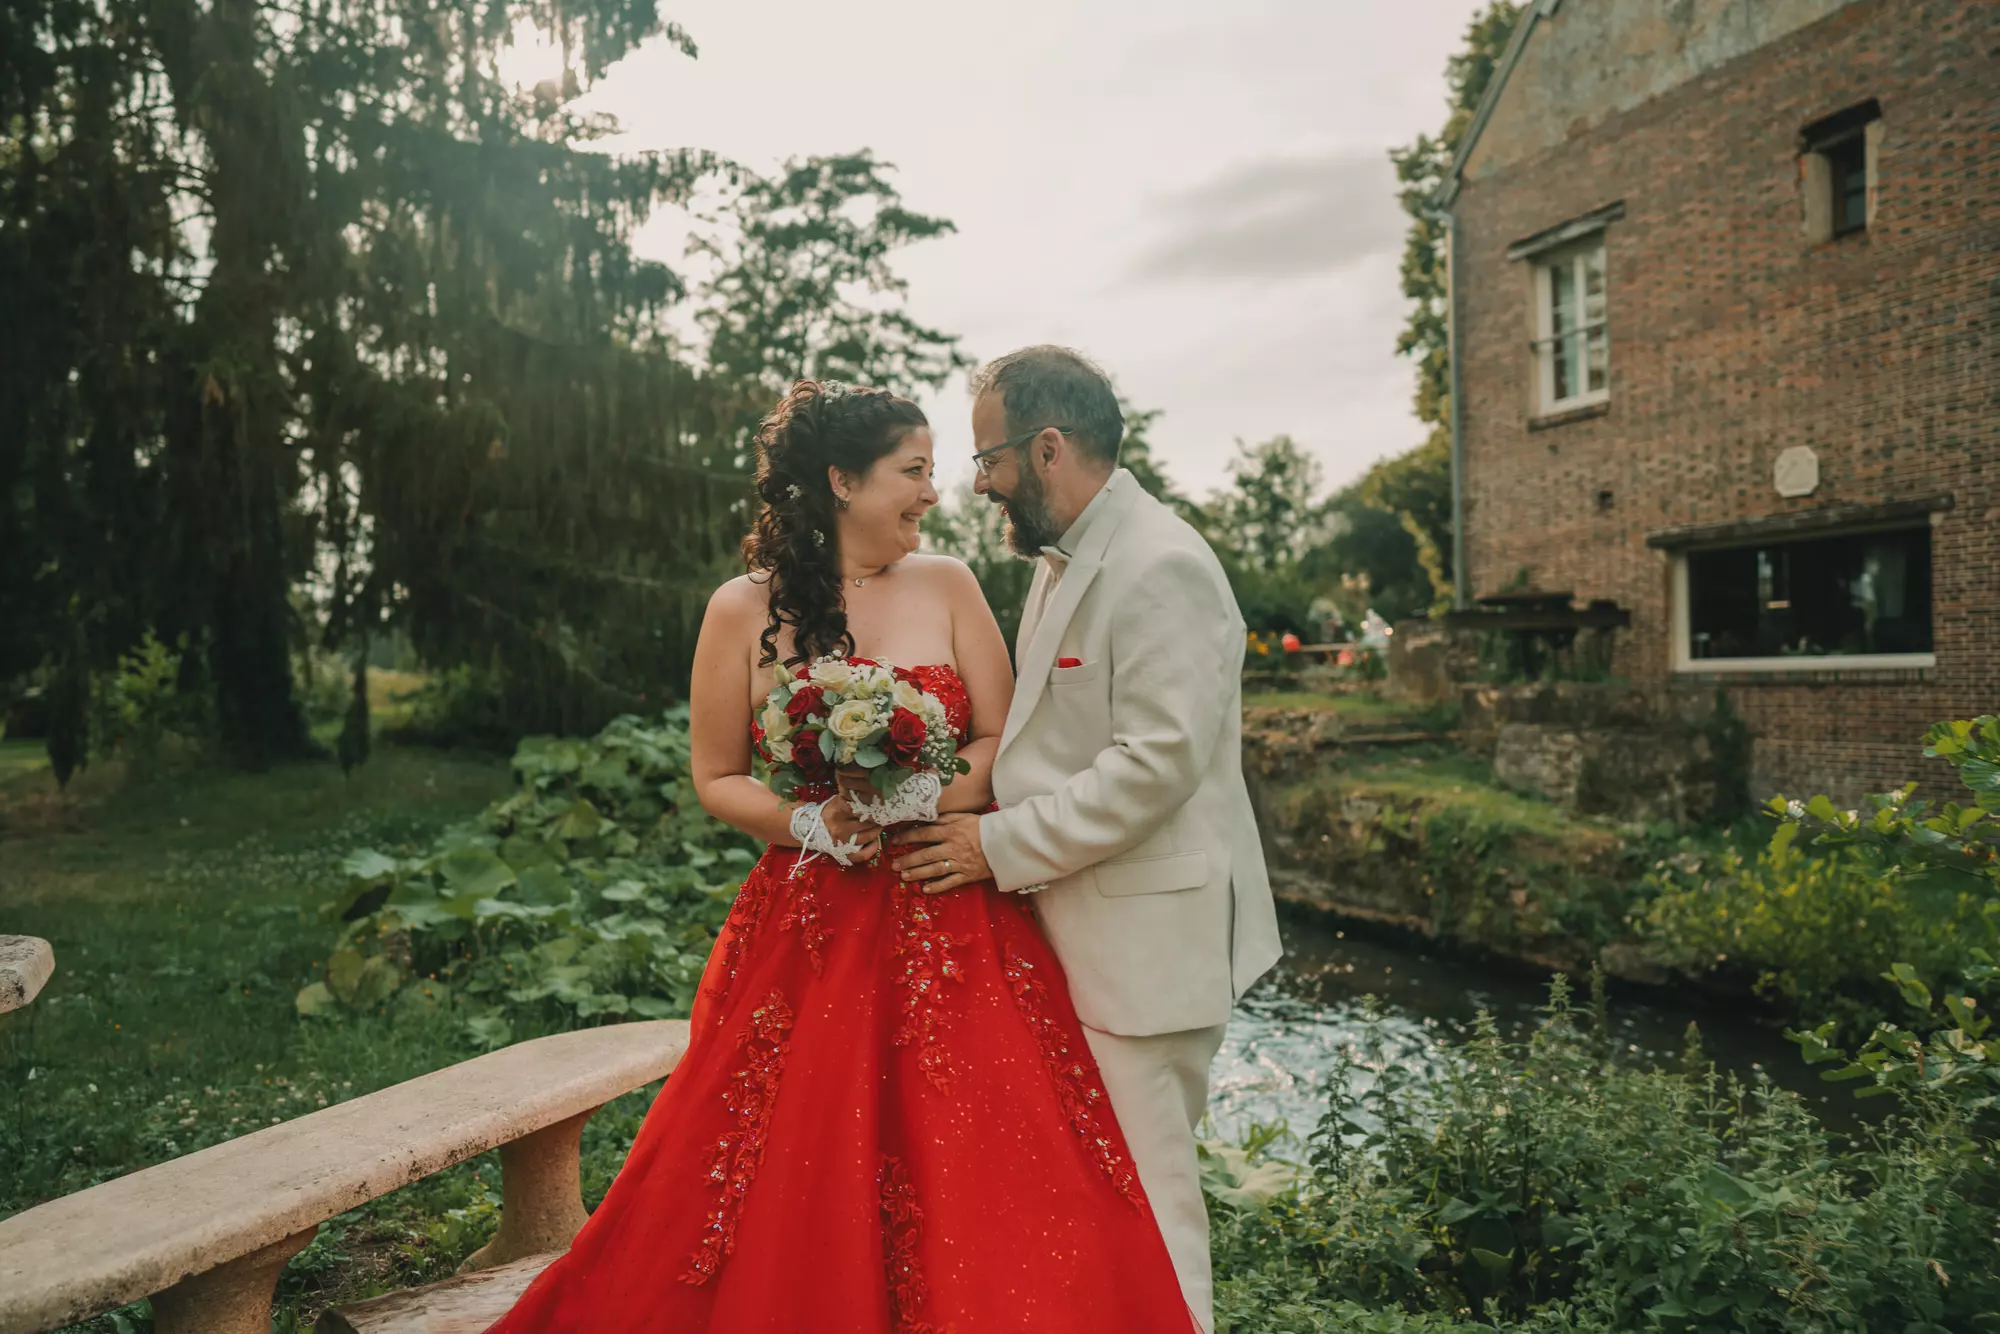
1119, 774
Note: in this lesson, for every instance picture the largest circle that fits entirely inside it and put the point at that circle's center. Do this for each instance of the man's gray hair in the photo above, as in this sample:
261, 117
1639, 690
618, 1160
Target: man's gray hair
1054, 386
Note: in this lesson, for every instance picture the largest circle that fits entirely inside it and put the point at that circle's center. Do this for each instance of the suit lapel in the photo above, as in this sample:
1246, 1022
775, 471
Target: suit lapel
1038, 654
1031, 610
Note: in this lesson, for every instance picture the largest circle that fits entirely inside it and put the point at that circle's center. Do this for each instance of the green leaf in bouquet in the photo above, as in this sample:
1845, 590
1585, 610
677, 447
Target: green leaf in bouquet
870, 757
827, 746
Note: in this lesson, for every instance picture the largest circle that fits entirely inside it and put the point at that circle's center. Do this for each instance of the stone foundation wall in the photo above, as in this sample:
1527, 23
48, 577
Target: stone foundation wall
1630, 753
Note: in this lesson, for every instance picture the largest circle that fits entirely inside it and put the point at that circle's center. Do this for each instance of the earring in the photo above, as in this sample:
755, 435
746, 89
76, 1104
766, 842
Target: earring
840, 502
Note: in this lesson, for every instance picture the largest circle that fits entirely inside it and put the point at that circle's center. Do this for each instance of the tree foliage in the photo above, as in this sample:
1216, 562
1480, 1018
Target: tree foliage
1416, 486
319, 301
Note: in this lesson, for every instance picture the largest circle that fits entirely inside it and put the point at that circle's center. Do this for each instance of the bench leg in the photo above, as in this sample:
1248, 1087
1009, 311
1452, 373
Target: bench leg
541, 1195
233, 1298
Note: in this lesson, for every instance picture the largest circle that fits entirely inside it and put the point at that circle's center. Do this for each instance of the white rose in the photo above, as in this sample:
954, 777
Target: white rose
908, 697
777, 724
853, 719
781, 751
831, 673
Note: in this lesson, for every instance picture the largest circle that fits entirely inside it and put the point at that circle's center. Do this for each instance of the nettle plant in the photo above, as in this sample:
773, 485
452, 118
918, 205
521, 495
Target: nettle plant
1946, 1050
593, 892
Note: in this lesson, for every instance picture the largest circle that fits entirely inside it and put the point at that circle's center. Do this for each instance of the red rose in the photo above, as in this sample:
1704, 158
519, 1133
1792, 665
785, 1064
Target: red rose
813, 766
806, 702
905, 739
863, 662
905, 675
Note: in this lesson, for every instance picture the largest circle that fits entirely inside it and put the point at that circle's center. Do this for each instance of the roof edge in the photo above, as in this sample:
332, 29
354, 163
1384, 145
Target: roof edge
1454, 175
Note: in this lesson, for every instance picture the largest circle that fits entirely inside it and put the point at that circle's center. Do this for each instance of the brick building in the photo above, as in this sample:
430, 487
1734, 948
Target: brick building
1727, 322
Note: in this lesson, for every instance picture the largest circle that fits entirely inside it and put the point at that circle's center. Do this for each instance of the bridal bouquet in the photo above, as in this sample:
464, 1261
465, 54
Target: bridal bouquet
843, 718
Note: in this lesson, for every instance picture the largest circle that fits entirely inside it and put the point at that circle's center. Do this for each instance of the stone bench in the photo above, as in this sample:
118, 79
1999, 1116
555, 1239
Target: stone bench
25, 966
206, 1236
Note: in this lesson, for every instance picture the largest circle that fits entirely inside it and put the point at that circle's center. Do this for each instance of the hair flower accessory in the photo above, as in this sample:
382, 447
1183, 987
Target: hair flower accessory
794, 491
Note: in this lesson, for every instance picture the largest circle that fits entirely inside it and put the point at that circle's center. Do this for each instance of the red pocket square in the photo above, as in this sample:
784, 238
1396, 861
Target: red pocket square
1069, 662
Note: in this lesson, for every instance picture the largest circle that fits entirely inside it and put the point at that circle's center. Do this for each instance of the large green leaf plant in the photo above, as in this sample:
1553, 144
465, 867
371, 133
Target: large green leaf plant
1947, 1051
592, 893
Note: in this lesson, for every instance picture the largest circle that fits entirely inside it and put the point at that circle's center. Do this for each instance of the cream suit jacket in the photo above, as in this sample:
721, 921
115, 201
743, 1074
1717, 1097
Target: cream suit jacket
1120, 781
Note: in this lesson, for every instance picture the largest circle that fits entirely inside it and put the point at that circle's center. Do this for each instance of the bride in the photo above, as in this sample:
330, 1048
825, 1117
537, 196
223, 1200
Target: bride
887, 1120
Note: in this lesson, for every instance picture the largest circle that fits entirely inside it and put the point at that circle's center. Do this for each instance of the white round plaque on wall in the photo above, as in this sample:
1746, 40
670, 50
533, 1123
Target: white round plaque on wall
1796, 473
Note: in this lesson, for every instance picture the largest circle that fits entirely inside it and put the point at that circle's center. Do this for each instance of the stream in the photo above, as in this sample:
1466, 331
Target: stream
1288, 1032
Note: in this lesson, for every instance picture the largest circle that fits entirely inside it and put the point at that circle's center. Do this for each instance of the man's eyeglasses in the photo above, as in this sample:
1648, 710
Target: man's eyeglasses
987, 459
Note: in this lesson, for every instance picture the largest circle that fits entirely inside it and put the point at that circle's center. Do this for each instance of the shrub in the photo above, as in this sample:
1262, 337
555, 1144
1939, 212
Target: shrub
1820, 925
142, 714
1537, 1186
1809, 930
460, 706
594, 891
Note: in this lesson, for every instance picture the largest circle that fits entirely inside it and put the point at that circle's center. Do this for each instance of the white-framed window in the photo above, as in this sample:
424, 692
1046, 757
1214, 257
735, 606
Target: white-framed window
1851, 599
1572, 344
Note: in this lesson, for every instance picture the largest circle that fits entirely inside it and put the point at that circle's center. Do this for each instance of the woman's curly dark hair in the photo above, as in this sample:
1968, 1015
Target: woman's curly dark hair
820, 424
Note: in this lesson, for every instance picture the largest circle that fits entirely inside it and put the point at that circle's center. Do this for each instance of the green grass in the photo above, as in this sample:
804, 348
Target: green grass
18, 759
185, 915
1451, 778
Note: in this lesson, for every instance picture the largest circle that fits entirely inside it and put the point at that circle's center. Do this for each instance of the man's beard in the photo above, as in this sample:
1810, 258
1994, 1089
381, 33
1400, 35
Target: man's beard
1030, 523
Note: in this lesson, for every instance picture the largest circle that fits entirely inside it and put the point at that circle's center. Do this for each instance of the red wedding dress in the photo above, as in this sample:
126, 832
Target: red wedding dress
886, 1122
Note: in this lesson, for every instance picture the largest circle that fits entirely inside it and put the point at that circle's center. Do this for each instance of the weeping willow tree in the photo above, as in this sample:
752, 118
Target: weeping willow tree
319, 300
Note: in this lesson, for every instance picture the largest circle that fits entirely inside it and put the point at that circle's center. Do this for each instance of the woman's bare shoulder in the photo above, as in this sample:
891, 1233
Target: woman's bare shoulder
946, 571
741, 598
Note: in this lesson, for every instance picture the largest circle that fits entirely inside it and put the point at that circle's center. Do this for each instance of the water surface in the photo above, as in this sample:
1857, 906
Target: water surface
1288, 1033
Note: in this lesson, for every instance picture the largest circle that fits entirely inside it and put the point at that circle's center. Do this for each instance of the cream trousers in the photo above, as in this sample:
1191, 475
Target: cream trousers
1159, 1090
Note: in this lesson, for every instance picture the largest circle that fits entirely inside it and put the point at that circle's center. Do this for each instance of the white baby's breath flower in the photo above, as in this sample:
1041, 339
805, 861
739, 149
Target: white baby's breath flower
853, 719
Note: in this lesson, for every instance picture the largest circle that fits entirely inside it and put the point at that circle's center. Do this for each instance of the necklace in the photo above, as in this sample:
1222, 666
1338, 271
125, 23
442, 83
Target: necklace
860, 580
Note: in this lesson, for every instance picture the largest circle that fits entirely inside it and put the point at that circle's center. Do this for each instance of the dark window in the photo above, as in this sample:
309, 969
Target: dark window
1818, 597
1842, 140
1848, 163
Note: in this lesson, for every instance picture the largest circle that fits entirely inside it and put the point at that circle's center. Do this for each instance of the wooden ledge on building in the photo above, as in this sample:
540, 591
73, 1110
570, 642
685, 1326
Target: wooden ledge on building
206, 1236
26, 964
1798, 523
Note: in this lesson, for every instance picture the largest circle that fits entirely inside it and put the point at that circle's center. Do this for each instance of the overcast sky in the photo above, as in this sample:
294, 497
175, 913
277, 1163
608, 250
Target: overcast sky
1198, 196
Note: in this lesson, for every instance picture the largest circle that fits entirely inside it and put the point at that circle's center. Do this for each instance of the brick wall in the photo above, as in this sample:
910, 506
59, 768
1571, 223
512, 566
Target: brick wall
1733, 338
